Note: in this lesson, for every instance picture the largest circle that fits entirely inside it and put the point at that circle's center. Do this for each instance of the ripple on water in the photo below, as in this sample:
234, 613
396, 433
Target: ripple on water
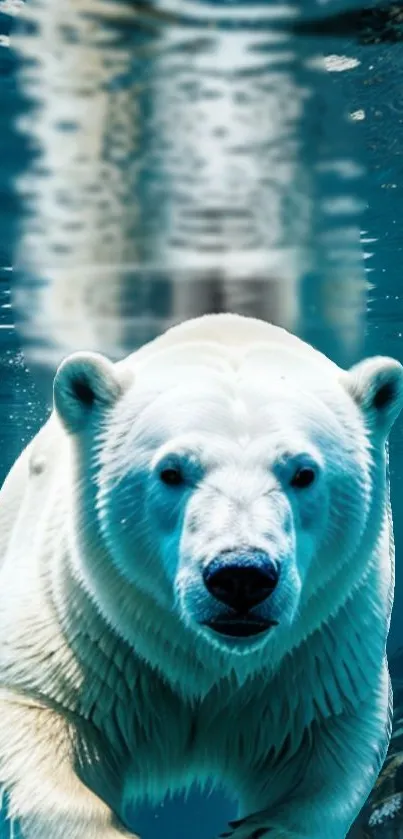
192, 158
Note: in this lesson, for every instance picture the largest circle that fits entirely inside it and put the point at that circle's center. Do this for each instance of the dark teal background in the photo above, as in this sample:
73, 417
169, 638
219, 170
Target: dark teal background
375, 86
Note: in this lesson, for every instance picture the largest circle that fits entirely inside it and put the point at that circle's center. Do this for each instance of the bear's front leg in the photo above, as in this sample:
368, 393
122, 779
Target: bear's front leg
320, 790
38, 762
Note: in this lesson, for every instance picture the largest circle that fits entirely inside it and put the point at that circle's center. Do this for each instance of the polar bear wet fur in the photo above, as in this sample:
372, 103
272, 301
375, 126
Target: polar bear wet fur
196, 582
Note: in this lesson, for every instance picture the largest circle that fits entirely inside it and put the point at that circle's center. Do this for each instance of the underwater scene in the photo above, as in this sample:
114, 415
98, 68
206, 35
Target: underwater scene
163, 160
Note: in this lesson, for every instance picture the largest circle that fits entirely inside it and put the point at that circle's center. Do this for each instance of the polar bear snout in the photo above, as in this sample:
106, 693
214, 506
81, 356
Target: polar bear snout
241, 581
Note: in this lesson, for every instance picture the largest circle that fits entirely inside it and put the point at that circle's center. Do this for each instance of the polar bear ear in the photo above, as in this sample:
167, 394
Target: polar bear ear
84, 382
376, 386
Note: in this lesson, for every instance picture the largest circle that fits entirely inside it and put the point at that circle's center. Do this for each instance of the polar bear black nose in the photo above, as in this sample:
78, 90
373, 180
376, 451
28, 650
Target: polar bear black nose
241, 582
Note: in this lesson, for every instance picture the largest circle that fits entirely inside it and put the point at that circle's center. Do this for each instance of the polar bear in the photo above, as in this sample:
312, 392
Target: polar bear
196, 582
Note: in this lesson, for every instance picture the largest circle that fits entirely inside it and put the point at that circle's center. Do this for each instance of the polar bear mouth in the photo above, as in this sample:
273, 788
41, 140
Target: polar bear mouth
240, 627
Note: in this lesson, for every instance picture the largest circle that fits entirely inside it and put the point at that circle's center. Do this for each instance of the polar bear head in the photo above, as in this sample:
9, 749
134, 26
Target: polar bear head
226, 474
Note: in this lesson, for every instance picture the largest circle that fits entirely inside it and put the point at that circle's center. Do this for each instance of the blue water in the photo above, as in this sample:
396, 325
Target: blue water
350, 304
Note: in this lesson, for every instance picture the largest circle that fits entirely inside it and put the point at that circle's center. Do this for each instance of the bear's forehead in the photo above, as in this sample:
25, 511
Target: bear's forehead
256, 360
243, 407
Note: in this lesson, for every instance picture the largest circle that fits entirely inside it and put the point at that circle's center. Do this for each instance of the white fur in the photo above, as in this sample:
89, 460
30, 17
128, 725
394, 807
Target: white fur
111, 687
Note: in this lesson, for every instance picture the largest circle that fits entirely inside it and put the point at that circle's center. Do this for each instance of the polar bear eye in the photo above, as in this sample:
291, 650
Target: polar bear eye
171, 476
303, 477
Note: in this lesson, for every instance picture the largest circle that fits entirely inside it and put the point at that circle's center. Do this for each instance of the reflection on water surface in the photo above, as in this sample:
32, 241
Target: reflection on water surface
190, 157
